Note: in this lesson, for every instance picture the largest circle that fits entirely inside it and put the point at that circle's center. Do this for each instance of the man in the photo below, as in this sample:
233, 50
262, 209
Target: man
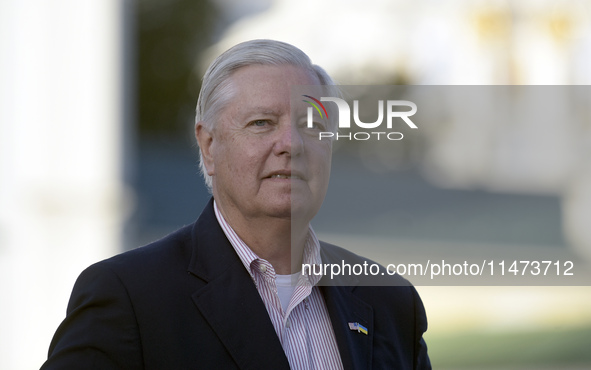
228, 292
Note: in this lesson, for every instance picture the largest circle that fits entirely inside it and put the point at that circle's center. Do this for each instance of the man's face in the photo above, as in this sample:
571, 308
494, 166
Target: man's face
263, 163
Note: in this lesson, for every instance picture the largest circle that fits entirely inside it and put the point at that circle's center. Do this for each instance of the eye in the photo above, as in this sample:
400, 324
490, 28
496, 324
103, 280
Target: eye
316, 125
259, 123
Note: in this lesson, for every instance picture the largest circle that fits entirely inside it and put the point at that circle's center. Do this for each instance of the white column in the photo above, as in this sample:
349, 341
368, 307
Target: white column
60, 161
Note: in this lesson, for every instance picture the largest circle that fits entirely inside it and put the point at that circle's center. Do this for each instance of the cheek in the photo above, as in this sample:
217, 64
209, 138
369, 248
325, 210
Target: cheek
243, 163
320, 156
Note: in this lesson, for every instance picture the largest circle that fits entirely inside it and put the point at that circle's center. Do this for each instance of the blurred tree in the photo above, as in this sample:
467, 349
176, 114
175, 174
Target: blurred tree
170, 36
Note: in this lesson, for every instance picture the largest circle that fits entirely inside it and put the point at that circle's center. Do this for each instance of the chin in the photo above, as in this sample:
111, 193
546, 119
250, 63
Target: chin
280, 209
302, 212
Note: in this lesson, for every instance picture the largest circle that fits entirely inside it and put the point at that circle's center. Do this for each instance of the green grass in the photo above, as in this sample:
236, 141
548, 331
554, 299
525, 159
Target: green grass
557, 349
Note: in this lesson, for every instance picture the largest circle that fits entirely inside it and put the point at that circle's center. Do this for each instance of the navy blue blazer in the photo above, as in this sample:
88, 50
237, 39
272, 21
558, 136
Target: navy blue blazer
187, 302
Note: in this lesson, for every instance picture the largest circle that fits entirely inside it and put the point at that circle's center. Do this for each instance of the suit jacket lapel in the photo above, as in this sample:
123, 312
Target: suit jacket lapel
229, 300
344, 307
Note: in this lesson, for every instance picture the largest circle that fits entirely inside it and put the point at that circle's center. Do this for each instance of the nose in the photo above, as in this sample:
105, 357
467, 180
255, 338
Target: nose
289, 141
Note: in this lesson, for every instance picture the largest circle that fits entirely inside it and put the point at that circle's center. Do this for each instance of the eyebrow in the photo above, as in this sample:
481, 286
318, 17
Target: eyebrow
262, 110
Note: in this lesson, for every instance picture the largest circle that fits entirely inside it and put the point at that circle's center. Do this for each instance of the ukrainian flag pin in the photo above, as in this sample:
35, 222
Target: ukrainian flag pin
357, 326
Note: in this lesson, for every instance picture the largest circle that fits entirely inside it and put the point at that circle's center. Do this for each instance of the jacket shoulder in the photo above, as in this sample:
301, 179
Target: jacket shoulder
172, 249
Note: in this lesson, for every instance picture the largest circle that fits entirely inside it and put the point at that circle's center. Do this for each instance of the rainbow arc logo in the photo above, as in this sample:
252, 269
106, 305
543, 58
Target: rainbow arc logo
316, 106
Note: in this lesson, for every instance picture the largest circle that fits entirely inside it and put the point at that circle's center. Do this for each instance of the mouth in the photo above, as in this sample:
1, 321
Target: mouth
286, 175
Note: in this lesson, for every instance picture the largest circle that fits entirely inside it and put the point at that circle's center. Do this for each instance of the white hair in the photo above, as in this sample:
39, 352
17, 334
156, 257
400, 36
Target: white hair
216, 90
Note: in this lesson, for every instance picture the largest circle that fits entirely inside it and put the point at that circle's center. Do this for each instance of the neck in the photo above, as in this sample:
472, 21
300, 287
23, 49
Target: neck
277, 240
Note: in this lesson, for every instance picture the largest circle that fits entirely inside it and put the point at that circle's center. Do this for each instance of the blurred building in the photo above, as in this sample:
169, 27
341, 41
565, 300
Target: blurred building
63, 199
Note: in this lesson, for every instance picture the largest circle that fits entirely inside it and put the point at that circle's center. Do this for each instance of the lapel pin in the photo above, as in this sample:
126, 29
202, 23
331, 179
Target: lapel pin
357, 326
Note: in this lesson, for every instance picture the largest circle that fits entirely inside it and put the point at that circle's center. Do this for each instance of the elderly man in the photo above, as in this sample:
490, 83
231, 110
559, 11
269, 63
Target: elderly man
228, 292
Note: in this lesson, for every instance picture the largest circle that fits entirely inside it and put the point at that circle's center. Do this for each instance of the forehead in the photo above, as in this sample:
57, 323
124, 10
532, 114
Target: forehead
267, 87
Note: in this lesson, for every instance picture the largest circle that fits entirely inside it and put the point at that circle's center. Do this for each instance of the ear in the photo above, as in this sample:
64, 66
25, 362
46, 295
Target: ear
205, 140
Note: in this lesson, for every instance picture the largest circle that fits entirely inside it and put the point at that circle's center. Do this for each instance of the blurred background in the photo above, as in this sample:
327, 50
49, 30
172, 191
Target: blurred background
97, 154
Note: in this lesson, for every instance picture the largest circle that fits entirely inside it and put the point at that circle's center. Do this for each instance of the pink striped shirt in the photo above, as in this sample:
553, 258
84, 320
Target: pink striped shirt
304, 329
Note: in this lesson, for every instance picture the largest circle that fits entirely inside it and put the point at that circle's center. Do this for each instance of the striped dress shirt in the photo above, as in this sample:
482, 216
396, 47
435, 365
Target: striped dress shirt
304, 329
